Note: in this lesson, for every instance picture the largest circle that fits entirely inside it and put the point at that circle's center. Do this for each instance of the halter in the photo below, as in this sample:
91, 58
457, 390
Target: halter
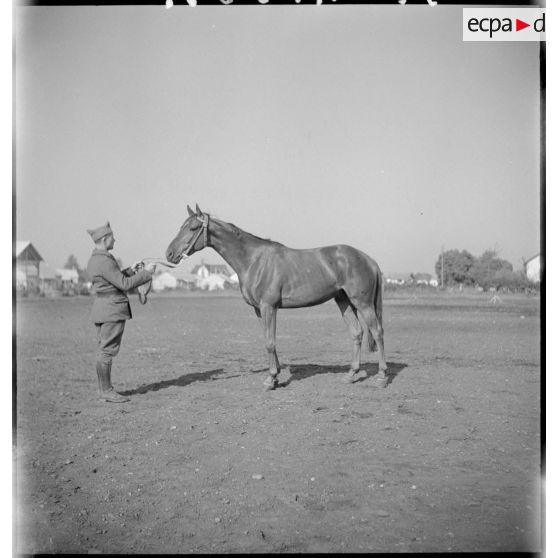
204, 220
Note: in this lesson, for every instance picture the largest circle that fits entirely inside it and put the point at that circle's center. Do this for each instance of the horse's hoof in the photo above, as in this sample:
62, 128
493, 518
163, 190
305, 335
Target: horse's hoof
382, 382
270, 385
350, 377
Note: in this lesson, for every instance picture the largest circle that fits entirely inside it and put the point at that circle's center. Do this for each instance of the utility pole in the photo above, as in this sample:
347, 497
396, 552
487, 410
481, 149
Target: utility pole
442, 267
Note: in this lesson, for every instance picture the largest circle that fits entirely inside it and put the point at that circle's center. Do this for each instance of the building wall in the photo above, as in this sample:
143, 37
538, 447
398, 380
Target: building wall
533, 269
29, 270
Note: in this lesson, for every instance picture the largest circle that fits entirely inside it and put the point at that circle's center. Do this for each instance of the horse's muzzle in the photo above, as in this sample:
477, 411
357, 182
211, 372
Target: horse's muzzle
171, 256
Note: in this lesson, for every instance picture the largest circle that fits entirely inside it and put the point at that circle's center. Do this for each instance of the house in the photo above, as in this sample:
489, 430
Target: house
393, 278
213, 282
67, 281
203, 270
214, 276
184, 279
48, 279
164, 281
424, 279
204, 276
174, 279
28, 263
533, 268
67, 277
21, 280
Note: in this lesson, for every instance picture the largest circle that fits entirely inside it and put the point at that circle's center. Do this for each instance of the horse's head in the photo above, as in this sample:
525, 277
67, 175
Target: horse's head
191, 237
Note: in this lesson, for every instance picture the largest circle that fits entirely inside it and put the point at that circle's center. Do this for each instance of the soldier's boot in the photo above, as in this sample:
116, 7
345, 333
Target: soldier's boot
106, 391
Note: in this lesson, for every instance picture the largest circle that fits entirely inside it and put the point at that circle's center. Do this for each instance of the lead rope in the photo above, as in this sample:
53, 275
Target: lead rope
158, 261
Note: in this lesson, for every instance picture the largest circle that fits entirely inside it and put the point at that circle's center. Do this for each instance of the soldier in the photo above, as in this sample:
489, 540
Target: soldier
111, 307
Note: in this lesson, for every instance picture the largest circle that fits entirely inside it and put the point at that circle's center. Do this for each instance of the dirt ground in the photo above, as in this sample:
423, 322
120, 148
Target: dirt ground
446, 458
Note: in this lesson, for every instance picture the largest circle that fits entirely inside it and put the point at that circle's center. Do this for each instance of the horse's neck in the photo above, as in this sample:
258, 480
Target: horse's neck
232, 244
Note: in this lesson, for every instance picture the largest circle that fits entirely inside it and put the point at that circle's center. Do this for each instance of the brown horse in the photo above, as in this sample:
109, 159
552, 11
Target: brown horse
272, 276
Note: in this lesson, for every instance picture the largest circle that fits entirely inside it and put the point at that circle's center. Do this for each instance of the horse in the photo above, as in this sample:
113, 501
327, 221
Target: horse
273, 276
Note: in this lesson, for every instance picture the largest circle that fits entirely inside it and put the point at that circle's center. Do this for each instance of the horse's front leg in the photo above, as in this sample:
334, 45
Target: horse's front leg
269, 323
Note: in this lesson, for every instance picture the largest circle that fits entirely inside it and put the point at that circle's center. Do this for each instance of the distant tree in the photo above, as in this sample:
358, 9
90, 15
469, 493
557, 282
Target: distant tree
512, 280
457, 267
488, 270
71, 263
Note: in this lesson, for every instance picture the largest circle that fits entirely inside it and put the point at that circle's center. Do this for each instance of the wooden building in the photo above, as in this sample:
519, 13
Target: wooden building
28, 263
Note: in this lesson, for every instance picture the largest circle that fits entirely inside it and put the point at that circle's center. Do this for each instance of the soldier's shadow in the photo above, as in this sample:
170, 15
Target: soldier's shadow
367, 371
181, 381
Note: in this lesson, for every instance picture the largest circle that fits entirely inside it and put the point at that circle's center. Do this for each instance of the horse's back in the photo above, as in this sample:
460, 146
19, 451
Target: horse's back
290, 278
348, 259
336, 262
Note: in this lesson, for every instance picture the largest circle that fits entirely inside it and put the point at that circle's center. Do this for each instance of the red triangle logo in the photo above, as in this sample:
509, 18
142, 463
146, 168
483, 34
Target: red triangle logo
519, 25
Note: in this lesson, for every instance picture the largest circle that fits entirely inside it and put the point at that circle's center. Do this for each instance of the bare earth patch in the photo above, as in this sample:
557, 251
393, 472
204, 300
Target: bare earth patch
447, 457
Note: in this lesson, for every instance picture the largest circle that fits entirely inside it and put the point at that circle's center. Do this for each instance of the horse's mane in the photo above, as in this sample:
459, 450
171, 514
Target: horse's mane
240, 233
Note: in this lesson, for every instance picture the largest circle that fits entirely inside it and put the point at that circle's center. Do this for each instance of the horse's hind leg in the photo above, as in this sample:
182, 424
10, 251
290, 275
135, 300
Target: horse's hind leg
370, 318
355, 330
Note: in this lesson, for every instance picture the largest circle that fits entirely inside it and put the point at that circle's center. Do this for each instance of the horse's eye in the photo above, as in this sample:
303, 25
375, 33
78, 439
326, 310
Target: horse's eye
194, 225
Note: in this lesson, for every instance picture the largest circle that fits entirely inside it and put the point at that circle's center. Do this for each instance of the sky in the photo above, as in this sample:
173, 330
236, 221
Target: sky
312, 125
374, 126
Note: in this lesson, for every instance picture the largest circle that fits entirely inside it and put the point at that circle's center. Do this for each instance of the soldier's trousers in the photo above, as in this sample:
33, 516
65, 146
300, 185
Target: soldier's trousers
109, 337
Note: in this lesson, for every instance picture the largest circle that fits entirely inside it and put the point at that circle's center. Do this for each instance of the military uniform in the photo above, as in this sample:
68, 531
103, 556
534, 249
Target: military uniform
111, 304
111, 307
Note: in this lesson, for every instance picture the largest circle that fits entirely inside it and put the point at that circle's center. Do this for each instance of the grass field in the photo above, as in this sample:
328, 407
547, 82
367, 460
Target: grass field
202, 459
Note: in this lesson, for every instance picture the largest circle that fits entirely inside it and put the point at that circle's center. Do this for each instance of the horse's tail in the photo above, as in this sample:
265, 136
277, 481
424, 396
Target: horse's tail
377, 309
378, 298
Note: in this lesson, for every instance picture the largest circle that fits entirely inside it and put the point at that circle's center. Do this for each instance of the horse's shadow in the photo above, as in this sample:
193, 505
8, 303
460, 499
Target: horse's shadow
181, 381
367, 370
297, 372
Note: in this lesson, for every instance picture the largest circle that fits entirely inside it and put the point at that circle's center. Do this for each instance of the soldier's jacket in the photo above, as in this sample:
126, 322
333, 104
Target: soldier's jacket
110, 284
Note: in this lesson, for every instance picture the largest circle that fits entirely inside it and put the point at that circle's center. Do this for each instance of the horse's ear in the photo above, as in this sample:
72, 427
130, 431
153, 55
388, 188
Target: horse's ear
190, 211
198, 209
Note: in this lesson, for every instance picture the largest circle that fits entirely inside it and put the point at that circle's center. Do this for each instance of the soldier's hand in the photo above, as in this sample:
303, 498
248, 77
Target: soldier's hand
151, 268
137, 266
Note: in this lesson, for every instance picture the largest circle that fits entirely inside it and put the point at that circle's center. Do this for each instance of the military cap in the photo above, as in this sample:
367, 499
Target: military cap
99, 232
